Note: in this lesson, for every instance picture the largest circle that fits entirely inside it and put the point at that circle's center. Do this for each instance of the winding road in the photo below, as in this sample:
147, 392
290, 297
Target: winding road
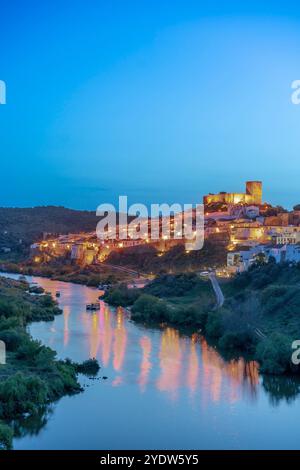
217, 289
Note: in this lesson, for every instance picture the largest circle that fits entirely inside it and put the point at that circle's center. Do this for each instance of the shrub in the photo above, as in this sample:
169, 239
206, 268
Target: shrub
214, 326
260, 281
6, 436
169, 285
21, 395
89, 367
47, 301
8, 323
29, 349
8, 309
150, 308
274, 354
186, 316
122, 296
36, 354
63, 380
273, 291
12, 338
236, 341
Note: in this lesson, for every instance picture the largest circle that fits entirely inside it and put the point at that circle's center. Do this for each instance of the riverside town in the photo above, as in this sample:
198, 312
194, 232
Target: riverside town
149, 231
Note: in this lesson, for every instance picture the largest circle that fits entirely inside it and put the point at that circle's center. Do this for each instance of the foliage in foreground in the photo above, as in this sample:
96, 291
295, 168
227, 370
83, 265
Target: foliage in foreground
32, 377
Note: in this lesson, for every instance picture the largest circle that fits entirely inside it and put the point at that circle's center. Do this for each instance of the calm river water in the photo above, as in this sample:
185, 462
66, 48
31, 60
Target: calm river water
163, 390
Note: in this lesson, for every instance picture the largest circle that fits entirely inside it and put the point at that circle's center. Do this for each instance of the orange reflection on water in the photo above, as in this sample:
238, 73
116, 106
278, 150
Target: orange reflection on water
120, 340
193, 367
107, 336
117, 381
94, 336
67, 311
145, 343
207, 372
170, 356
183, 363
237, 375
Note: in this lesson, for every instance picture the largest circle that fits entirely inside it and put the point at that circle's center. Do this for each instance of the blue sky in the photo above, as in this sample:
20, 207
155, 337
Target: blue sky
162, 101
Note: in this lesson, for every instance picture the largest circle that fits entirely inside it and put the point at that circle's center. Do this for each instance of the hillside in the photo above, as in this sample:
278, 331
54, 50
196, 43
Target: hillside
19, 227
174, 260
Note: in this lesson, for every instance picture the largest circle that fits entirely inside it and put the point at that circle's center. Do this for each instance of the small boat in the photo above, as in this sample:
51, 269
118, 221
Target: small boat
57, 294
104, 287
95, 306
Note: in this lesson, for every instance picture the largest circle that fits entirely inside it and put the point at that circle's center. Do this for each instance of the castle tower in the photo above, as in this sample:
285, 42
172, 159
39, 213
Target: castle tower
254, 189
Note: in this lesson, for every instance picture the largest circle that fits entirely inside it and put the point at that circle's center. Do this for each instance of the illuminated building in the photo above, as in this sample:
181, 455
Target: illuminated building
253, 195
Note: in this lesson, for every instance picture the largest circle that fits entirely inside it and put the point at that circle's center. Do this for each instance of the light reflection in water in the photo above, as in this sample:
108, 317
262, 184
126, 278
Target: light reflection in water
193, 365
166, 360
67, 311
120, 340
145, 343
171, 355
107, 336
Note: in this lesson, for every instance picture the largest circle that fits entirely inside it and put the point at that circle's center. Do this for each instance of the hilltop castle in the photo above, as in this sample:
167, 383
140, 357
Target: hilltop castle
253, 195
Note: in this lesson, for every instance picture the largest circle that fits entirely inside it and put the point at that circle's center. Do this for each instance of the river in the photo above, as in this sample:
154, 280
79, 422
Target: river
164, 390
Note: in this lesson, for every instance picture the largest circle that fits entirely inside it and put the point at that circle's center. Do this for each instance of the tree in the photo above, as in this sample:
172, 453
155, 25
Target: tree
6, 436
150, 308
274, 354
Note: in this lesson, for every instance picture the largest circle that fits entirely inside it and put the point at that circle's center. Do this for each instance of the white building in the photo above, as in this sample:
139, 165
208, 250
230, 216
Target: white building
282, 253
288, 237
239, 261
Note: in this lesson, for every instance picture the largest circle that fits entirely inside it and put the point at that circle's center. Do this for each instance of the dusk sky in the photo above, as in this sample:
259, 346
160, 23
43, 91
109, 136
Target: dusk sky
162, 101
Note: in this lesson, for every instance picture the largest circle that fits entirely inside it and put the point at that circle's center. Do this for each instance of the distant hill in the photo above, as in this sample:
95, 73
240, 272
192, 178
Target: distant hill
28, 224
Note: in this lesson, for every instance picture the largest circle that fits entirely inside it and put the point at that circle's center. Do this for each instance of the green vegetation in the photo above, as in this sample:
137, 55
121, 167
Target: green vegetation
168, 285
270, 293
176, 260
6, 437
63, 270
182, 300
260, 317
32, 377
150, 309
121, 296
19, 227
274, 354
88, 367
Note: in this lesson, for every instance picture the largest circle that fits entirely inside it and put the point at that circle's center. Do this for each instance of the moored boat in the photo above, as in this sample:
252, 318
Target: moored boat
95, 306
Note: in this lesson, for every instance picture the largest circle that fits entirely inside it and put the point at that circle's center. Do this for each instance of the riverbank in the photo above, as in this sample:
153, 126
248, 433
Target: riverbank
259, 318
32, 378
90, 276
181, 378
